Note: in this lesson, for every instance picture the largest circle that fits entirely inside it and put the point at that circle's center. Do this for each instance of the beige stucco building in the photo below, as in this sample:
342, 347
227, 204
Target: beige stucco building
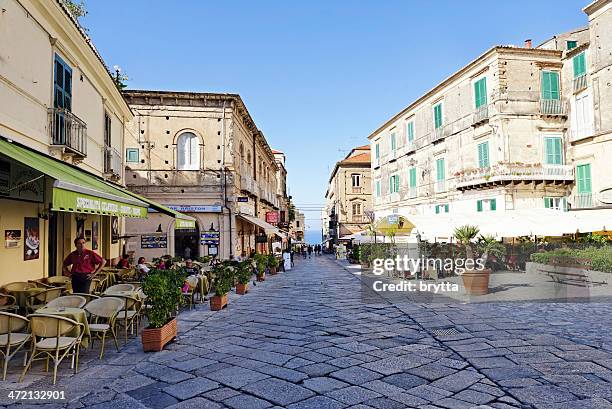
513, 129
61, 126
201, 153
348, 196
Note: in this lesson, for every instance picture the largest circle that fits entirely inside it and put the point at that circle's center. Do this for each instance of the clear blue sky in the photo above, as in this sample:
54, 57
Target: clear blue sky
317, 76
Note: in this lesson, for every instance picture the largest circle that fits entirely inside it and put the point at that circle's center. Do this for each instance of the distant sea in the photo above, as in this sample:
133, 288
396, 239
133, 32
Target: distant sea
313, 236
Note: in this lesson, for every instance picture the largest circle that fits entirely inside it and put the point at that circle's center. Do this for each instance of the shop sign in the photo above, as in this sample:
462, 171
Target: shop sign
261, 238
154, 241
242, 199
272, 217
210, 237
67, 200
196, 208
21, 182
184, 224
12, 238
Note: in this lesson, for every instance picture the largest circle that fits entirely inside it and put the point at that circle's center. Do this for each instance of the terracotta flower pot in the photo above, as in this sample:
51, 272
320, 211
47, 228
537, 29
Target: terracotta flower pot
154, 339
242, 289
261, 277
218, 302
476, 282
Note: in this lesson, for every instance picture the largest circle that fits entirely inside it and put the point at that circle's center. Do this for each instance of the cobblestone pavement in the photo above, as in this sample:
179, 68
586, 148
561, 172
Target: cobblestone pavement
309, 338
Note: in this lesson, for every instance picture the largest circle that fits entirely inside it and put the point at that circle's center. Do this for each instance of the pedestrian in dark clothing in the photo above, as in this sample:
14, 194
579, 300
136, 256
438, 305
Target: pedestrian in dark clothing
309, 250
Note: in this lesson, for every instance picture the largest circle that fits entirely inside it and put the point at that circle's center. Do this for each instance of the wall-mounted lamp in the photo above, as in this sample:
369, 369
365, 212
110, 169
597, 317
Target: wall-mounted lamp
159, 229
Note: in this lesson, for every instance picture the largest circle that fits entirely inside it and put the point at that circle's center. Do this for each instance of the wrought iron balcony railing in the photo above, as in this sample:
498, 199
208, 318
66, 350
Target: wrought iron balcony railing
480, 115
580, 83
68, 130
112, 161
508, 172
553, 107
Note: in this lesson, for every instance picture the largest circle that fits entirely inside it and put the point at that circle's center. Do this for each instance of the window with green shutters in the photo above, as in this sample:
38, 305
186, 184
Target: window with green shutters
557, 203
480, 92
493, 204
490, 203
579, 62
483, 155
479, 206
442, 208
394, 184
553, 155
393, 143
377, 153
412, 178
437, 111
583, 173
550, 85
410, 131
440, 174
378, 189
571, 44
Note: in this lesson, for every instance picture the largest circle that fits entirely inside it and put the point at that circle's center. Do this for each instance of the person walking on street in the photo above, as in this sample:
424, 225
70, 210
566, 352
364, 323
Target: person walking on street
85, 264
309, 250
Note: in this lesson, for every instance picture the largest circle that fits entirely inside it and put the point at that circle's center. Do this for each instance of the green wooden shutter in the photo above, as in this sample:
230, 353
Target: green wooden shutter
579, 63
483, 155
479, 205
437, 209
548, 202
393, 142
440, 169
584, 178
410, 131
446, 208
397, 183
493, 204
550, 85
438, 115
571, 44
480, 92
554, 155
412, 174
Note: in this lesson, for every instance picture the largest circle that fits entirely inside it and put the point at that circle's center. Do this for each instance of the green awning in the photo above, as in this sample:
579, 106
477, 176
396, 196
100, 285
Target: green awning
181, 221
75, 190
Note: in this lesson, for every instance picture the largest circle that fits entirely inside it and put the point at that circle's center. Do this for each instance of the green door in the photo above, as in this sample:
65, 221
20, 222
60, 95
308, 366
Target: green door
553, 154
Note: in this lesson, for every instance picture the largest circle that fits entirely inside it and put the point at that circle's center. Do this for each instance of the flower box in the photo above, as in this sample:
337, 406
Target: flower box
154, 339
218, 302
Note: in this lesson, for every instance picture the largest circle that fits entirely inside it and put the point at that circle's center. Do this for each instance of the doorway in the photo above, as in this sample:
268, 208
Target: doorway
187, 242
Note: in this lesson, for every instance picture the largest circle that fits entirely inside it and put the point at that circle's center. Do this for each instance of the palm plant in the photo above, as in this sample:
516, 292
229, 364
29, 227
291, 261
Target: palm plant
465, 235
489, 246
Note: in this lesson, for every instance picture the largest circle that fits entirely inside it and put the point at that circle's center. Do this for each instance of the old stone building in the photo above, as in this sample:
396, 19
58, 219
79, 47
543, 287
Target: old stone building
201, 153
348, 196
516, 128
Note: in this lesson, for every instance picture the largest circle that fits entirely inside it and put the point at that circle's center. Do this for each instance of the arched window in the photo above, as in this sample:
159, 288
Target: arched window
188, 152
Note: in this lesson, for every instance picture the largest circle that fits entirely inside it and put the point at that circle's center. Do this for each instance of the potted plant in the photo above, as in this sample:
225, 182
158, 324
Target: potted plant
224, 278
261, 260
244, 272
273, 264
163, 291
475, 280
489, 246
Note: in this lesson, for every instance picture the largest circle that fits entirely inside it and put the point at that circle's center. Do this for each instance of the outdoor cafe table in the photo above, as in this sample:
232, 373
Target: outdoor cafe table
76, 314
202, 287
22, 295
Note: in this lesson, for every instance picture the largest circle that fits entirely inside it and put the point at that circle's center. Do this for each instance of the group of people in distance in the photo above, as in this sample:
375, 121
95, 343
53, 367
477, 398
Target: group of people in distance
307, 249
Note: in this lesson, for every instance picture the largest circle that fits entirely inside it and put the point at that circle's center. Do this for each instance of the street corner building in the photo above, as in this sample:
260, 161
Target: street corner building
202, 155
518, 130
62, 123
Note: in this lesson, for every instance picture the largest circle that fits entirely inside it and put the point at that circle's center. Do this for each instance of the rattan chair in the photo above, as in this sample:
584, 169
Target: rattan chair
50, 341
8, 303
120, 287
129, 314
60, 281
103, 313
68, 301
38, 300
192, 282
88, 297
14, 334
19, 286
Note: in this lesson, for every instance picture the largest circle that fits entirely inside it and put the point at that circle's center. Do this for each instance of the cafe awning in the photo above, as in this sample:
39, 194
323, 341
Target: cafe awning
268, 228
181, 221
75, 190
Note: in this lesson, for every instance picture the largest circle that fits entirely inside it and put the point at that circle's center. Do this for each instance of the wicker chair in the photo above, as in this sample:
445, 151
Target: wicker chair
8, 303
120, 287
103, 313
129, 314
68, 301
38, 300
50, 341
14, 335
192, 282
19, 286
60, 281
88, 297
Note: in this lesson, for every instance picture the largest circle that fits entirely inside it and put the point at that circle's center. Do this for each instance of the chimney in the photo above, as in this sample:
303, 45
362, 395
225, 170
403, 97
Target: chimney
528, 43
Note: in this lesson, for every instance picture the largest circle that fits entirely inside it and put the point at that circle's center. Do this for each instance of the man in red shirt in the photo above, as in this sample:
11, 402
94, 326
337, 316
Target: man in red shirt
85, 265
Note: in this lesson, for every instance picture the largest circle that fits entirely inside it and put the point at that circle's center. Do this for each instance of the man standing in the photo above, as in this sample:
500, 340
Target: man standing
85, 265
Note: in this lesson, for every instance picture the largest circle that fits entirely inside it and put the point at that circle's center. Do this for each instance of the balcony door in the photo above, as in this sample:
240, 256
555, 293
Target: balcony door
62, 100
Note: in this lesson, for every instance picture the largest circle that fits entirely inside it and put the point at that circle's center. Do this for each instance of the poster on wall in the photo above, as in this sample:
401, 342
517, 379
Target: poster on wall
80, 227
94, 235
31, 249
114, 229
12, 238
154, 241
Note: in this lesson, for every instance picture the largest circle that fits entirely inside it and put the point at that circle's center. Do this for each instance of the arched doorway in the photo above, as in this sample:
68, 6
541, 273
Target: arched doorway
187, 239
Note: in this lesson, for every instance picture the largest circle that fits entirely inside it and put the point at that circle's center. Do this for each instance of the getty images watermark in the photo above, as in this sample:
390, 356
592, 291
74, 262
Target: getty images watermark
409, 266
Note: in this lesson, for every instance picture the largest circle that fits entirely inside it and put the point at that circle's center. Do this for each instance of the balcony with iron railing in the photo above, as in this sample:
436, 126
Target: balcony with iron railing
112, 162
356, 189
580, 83
481, 114
412, 193
553, 107
440, 186
583, 201
439, 133
247, 184
503, 173
357, 218
378, 200
68, 132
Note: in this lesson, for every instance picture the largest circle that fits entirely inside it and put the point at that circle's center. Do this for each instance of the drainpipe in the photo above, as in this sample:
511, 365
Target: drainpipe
231, 252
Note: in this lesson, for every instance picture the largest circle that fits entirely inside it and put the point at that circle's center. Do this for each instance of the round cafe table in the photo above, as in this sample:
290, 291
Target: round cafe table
22, 295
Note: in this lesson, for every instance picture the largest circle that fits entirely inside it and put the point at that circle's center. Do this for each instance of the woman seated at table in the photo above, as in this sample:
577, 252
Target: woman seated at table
141, 268
124, 262
191, 268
